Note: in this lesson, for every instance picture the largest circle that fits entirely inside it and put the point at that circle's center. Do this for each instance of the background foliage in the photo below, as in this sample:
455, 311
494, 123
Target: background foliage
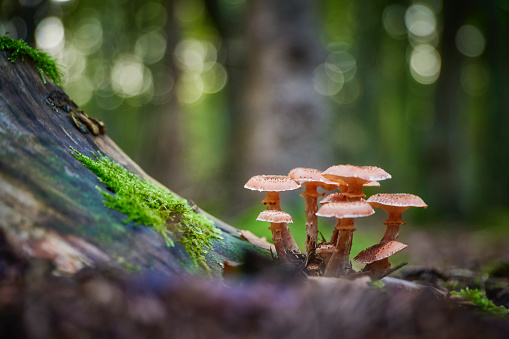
205, 93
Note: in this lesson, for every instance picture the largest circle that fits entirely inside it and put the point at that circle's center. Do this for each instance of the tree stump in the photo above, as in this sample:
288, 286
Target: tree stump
49, 204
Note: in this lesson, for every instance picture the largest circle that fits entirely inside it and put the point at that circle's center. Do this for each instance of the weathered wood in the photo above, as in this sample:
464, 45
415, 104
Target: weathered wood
49, 204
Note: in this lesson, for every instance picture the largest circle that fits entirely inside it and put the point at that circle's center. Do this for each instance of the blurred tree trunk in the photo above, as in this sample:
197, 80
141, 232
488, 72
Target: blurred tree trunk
164, 158
495, 165
282, 111
446, 144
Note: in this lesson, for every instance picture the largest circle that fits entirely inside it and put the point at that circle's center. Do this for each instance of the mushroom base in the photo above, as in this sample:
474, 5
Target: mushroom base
339, 263
278, 242
311, 223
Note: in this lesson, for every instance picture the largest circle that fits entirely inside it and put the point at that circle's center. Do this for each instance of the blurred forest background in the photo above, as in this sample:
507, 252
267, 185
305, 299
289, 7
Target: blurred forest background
204, 94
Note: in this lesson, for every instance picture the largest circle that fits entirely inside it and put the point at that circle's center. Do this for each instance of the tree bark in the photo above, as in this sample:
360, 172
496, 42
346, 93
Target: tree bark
49, 204
282, 109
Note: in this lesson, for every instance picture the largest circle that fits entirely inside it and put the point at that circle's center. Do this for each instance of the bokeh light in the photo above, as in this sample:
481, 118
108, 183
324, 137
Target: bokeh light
164, 81
339, 68
420, 20
341, 62
49, 34
328, 79
129, 77
200, 71
349, 94
425, 63
393, 19
151, 16
470, 41
475, 79
150, 47
80, 90
108, 100
190, 88
88, 33
74, 62
214, 78
191, 54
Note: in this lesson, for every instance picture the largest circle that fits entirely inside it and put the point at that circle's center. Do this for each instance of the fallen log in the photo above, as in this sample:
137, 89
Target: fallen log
50, 206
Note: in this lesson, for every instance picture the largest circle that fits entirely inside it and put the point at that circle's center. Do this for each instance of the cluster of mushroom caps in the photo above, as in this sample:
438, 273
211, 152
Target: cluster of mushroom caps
332, 258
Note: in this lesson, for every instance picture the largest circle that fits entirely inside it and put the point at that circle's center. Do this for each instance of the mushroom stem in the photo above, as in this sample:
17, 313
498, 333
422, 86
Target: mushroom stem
335, 233
311, 196
395, 214
311, 223
272, 203
278, 241
339, 262
288, 240
354, 190
393, 222
391, 232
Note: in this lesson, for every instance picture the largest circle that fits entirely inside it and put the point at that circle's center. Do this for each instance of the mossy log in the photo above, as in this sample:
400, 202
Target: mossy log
50, 206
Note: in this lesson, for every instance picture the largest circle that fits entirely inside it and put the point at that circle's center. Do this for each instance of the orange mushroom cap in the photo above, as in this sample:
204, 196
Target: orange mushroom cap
351, 209
334, 197
365, 173
305, 175
372, 184
271, 183
396, 200
275, 217
379, 251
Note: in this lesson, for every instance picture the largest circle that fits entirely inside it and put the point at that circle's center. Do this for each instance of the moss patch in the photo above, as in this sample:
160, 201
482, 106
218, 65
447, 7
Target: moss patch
45, 64
147, 204
483, 304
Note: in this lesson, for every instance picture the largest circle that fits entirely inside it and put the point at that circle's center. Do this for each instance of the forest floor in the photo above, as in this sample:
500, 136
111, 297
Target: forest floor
262, 300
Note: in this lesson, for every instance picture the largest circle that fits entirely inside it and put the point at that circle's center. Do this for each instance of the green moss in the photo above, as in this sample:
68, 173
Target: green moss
377, 284
45, 64
479, 299
147, 204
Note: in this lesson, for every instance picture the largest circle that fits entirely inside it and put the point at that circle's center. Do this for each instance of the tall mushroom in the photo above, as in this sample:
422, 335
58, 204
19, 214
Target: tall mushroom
272, 185
394, 205
355, 177
276, 219
311, 179
345, 212
377, 256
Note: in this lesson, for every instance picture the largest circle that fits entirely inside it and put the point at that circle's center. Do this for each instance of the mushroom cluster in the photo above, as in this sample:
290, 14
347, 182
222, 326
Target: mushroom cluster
332, 258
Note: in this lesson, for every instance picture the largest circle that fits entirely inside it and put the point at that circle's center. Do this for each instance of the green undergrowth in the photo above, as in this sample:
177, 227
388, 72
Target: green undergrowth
145, 203
45, 64
479, 299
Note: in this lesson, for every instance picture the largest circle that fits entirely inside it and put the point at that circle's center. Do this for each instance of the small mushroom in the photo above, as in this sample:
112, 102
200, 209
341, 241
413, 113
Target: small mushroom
394, 205
355, 177
345, 212
311, 179
272, 185
325, 251
277, 219
377, 256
